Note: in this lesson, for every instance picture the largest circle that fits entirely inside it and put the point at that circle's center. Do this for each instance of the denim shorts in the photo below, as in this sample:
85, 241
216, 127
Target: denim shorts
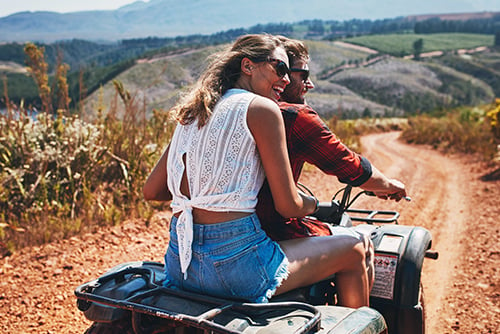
234, 259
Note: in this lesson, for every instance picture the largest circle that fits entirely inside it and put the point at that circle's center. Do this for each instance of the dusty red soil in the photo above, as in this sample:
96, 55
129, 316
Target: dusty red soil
462, 288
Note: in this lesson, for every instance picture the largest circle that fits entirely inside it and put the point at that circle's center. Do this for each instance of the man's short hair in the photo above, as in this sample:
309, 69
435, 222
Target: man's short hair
295, 49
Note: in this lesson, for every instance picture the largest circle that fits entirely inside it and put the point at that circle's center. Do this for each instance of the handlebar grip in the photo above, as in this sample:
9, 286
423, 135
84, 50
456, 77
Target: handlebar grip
431, 254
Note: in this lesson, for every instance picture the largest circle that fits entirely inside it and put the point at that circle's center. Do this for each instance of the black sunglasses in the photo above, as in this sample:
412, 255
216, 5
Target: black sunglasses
304, 73
280, 66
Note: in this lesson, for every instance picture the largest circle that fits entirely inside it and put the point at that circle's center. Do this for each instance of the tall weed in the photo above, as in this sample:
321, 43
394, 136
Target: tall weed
60, 175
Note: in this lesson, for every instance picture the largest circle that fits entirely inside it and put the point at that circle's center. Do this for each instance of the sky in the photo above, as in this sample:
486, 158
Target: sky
8, 7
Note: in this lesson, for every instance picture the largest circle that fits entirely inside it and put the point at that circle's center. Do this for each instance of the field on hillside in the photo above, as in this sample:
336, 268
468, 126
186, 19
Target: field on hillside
402, 44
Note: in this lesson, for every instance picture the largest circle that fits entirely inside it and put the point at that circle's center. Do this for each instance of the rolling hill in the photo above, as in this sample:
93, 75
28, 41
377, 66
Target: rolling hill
388, 86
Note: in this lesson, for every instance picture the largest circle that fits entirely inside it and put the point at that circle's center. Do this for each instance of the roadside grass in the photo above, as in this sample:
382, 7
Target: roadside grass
61, 176
469, 130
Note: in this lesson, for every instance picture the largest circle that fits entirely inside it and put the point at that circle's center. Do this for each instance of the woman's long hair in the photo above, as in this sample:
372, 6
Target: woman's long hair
221, 75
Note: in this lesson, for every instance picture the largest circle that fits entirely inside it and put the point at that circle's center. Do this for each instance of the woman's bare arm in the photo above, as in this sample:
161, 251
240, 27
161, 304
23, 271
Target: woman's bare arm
155, 188
267, 126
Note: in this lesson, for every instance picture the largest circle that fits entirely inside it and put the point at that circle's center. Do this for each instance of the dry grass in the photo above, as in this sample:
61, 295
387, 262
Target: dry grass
60, 175
464, 130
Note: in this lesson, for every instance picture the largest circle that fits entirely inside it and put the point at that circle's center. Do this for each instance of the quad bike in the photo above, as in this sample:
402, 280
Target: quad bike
130, 298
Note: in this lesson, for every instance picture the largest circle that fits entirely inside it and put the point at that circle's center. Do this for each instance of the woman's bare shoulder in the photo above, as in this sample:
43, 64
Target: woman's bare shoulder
263, 107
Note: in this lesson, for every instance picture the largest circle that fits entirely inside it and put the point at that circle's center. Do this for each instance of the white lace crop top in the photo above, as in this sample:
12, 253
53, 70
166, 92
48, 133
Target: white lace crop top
223, 166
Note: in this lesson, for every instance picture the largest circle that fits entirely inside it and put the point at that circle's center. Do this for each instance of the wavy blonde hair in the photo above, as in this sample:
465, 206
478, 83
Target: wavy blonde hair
222, 74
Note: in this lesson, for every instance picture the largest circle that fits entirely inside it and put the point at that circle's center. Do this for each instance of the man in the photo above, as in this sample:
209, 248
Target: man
310, 140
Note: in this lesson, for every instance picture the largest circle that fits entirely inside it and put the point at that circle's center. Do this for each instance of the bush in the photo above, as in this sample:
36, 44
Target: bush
60, 175
464, 130
46, 168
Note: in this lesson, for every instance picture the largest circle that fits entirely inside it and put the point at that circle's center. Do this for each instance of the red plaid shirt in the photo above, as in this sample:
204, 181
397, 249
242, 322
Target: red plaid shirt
309, 140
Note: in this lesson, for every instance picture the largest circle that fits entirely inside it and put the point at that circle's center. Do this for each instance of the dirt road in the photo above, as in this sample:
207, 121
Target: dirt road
462, 288
439, 195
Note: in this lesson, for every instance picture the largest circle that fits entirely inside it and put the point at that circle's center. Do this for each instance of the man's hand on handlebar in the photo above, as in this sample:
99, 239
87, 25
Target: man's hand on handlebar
395, 190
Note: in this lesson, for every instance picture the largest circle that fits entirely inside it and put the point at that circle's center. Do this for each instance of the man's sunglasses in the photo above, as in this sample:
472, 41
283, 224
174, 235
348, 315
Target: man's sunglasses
280, 66
304, 73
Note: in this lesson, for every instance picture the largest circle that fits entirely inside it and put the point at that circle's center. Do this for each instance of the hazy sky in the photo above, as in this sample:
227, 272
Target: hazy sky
8, 7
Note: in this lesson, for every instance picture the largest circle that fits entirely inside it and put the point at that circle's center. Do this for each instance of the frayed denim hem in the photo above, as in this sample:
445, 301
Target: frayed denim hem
281, 275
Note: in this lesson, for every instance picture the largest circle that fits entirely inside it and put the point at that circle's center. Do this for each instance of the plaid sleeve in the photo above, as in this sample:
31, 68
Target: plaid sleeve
317, 145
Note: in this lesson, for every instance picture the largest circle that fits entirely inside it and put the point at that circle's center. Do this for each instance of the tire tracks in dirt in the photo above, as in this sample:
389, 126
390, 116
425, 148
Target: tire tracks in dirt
439, 189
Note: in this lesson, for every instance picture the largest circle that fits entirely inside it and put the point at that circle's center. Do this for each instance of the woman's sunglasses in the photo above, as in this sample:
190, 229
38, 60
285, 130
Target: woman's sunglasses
303, 73
280, 66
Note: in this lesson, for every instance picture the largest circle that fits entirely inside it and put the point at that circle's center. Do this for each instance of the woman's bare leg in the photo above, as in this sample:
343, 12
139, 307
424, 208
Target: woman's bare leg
370, 265
314, 259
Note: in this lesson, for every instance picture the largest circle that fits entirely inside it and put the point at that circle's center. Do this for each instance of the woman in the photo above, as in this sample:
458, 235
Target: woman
230, 134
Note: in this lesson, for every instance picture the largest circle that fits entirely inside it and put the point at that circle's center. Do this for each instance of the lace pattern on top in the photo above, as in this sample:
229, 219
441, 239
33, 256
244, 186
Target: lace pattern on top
222, 164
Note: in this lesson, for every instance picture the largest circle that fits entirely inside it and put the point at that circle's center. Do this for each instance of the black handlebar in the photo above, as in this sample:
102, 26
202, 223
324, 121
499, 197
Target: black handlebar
332, 212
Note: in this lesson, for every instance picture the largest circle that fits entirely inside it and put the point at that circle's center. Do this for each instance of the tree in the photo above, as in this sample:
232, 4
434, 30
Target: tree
367, 113
418, 46
316, 27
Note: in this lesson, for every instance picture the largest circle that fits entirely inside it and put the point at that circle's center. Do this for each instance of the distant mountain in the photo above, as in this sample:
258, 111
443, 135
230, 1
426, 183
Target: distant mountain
169, 18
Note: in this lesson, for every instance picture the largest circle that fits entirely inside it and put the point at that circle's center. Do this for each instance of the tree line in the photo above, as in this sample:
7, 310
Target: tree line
487, 26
